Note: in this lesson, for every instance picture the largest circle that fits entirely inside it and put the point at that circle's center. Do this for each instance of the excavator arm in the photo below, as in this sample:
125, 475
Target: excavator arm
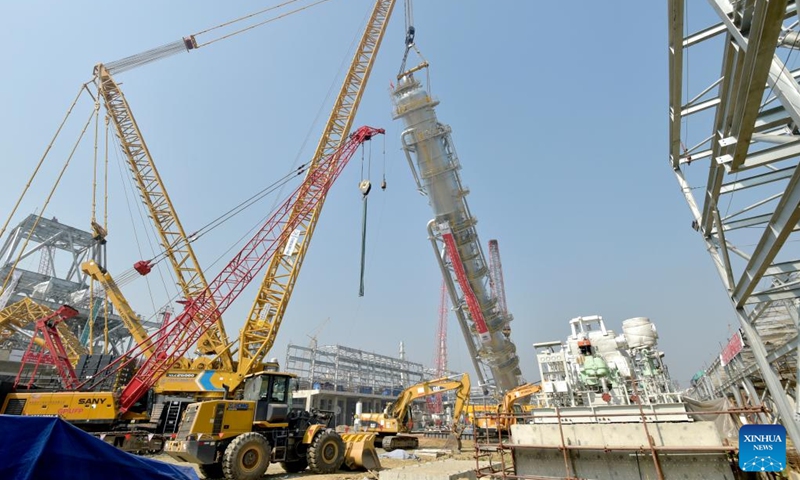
394, 423
401, 406
124, 310
172, 236
514, 395
504, 416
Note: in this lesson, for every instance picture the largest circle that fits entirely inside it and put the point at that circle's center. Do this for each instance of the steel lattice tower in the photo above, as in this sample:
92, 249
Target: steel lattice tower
441, 335
497, 284
734, 146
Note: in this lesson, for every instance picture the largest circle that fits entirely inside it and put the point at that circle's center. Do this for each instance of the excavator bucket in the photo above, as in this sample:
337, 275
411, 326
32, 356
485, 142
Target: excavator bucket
360, 451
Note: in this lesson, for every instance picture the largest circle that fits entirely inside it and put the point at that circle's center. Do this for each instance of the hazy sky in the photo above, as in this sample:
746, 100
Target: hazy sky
559, 115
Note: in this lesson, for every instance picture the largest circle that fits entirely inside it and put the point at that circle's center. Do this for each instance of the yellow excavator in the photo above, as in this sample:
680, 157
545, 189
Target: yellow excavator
393, 425
506, 413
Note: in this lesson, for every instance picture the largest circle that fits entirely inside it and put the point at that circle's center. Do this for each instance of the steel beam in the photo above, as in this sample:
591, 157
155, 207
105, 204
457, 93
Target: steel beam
742, 127
675, 12
758, 53
783, 268
721, 120
758, 297
757, 180
745, 222
704, 35
783, 222
770, 155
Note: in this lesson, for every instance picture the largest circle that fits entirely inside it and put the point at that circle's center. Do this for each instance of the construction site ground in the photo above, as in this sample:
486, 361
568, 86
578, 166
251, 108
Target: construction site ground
275, 470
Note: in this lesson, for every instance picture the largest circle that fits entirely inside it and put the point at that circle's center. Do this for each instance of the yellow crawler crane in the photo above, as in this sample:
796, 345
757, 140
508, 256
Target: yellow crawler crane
238, 439
500, 417
258, 335
272, 435
173, 238
179, 380
395, 421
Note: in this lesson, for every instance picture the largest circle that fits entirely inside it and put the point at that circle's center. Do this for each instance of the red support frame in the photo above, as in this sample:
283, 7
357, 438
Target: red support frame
469, 295
54, 352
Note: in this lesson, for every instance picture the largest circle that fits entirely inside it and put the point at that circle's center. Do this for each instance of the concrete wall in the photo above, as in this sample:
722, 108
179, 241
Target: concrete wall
531, 458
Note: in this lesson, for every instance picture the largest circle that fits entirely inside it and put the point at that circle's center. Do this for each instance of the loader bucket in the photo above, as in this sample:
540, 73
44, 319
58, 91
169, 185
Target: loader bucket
360, 451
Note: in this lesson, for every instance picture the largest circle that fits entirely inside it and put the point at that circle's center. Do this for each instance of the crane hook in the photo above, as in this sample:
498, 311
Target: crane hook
365, 186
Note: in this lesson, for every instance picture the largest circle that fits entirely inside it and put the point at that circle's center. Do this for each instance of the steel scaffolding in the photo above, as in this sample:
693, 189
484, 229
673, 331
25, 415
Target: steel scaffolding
334, 367
59, 284
734, 145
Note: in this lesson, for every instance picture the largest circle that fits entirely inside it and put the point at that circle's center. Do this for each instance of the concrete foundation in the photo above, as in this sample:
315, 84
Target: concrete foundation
445, 470
534, 455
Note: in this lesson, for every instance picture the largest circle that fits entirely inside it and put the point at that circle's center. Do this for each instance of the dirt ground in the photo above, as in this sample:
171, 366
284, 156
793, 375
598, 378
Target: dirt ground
275, 471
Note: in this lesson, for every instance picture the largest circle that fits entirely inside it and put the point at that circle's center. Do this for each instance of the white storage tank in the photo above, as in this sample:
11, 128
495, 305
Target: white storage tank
639, 332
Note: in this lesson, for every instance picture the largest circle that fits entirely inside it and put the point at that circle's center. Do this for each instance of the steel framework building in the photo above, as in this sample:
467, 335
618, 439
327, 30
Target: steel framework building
54, 285
734, 146
336, 367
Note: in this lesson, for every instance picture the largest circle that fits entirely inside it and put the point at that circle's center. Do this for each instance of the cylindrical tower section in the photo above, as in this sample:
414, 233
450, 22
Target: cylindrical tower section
436, 172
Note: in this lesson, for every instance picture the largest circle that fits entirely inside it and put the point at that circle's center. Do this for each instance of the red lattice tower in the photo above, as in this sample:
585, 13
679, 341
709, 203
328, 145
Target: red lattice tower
435, 401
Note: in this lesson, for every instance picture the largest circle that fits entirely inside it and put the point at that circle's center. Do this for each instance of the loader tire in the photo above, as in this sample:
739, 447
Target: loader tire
326, 452
295, 466
212, 471
247, 457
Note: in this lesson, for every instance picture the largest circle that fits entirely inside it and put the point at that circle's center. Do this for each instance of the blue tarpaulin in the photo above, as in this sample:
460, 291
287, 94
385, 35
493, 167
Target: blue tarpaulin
43, 448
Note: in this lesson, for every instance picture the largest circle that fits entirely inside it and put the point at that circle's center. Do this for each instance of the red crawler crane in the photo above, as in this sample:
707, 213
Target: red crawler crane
173, 340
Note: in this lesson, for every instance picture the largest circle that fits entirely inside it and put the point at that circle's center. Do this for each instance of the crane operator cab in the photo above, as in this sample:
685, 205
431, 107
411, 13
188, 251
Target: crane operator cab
238, 439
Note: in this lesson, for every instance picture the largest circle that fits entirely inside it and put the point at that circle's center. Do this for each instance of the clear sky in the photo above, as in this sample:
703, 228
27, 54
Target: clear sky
559, 115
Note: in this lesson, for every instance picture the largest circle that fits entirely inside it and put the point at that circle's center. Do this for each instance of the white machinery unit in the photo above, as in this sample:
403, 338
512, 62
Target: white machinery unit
607, 407
596, 370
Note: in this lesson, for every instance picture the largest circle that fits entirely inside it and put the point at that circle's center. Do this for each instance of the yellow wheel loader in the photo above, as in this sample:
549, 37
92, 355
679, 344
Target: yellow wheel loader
238, 439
